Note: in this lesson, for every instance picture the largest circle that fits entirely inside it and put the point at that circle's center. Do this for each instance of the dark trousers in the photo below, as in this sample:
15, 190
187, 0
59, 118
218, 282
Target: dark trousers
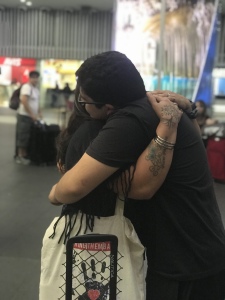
209, 288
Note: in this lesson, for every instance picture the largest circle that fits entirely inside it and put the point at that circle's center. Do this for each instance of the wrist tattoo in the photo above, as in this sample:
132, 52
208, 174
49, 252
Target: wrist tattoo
170, 116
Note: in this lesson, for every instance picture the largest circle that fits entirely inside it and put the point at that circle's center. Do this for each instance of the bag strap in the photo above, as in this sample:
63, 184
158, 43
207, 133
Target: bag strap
119, 206
31, 90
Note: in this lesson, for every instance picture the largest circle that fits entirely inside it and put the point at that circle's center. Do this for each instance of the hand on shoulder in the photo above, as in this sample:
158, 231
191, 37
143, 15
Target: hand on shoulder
167, 111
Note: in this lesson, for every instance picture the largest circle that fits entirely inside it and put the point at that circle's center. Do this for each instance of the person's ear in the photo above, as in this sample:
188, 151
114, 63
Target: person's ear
109, 108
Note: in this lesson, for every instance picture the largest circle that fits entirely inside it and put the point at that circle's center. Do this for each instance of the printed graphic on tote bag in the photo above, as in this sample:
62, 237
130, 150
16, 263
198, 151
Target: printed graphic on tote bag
92, 270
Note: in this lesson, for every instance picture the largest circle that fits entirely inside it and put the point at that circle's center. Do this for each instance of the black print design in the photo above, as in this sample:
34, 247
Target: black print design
94, 290
76, 260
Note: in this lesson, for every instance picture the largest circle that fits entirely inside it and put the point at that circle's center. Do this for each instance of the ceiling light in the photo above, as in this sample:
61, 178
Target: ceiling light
22, 1
28, 3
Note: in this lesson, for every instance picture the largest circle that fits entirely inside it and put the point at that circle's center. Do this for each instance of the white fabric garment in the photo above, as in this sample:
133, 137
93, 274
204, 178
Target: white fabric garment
33, 93
130, 275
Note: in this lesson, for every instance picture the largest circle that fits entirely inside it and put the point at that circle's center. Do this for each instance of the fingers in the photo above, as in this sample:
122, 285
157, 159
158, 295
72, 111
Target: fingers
164, 108
180, 100
152, 99
165, 93
159, 92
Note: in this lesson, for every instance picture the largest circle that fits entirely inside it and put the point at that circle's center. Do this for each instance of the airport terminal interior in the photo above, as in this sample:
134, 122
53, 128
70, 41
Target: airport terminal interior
25, 211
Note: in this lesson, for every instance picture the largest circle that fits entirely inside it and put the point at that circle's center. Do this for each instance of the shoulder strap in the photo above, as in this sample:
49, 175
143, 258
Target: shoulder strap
119, 206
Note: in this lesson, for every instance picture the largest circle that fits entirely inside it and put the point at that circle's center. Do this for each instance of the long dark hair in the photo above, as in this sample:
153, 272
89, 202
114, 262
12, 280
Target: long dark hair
78, 116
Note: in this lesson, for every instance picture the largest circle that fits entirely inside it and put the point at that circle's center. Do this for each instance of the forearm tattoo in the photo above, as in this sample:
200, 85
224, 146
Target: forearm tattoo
170, 116
156, 155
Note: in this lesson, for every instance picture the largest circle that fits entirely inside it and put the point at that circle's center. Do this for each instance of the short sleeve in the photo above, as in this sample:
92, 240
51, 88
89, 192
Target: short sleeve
120, 142
25, 90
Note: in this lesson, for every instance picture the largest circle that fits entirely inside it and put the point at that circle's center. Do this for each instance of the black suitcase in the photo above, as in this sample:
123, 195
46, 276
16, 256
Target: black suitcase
91, 267
42, 149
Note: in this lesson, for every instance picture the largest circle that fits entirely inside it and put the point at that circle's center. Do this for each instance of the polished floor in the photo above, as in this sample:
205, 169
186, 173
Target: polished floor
25, 213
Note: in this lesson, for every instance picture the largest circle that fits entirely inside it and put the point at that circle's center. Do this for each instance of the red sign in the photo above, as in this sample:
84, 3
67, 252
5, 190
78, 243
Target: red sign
17, 62
19, 67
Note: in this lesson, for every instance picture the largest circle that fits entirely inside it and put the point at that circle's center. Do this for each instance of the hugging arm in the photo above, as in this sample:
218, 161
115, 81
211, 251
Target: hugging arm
154, 163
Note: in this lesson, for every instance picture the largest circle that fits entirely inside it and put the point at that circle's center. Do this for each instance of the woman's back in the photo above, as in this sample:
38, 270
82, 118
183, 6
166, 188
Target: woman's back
101, 201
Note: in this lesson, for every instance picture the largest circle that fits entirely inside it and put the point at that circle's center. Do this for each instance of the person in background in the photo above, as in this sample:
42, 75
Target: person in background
203, 118
28, 113
66, 92
55, 95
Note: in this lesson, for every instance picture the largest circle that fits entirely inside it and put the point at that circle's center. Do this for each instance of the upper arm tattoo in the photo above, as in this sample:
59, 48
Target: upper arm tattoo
156, 155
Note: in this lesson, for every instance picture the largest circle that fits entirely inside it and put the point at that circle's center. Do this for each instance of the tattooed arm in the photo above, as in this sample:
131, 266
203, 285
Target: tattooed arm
154, 163
182, 102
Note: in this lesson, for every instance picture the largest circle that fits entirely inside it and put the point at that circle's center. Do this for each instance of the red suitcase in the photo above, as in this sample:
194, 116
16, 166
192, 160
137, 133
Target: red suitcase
216, 157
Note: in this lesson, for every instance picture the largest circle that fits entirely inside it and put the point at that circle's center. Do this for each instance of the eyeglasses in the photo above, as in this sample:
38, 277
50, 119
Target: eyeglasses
84, 102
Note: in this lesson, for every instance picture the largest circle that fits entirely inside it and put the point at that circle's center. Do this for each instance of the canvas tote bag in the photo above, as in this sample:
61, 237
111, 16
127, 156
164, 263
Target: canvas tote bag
130, 262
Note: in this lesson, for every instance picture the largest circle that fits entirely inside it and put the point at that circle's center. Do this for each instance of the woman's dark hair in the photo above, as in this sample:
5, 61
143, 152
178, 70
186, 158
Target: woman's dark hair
77, 117
111, 78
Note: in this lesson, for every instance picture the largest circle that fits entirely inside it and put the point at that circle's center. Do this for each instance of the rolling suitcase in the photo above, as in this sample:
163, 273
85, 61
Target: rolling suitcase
216, 157
91, 267
42, 149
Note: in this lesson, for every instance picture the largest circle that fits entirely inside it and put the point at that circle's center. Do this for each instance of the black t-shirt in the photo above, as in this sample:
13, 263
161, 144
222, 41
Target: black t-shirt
125, 135
101, 201
181, 225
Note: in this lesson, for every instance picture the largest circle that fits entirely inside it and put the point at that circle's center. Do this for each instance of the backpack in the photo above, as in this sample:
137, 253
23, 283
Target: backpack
14, 101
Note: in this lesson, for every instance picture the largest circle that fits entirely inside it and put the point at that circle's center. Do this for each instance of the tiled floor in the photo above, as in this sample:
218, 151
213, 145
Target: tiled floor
25, 213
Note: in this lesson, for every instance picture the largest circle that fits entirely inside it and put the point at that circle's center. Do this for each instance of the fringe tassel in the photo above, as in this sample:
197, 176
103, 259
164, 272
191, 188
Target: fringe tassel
71, 213
70, 221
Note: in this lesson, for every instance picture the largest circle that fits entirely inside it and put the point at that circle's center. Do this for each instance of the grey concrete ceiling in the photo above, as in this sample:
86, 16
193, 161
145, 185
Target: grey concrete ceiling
73, 4
56, 4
